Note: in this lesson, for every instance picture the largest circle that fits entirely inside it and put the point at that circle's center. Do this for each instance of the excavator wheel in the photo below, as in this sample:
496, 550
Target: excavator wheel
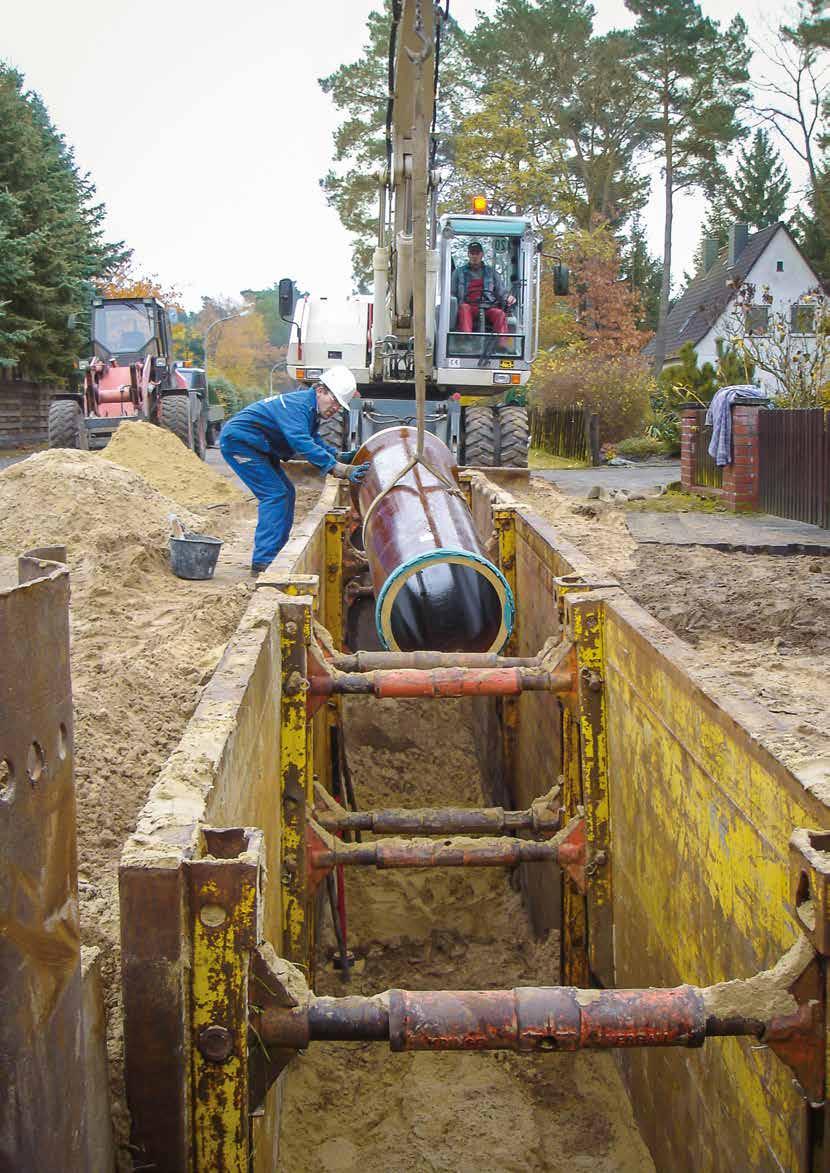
513, 437
174, 414
66, 425
479, 436
335, 430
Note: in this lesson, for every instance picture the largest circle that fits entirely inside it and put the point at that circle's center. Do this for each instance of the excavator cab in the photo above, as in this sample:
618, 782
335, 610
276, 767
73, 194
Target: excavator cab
476, 350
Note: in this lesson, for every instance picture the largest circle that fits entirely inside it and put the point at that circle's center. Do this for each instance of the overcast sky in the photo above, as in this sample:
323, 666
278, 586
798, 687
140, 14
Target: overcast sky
206, 133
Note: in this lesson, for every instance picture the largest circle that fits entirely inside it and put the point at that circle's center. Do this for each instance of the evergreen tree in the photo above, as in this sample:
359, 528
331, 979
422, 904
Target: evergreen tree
695, 74
811, 224
714, 227
588, 100
758, 194
50, 236
644, 274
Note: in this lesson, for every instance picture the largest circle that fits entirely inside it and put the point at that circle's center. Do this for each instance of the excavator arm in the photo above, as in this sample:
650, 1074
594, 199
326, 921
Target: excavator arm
413, 52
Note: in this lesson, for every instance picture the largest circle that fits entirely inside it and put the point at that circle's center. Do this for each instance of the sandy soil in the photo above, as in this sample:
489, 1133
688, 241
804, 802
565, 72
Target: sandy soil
144, 643
760, 623
171, 468
355, 1106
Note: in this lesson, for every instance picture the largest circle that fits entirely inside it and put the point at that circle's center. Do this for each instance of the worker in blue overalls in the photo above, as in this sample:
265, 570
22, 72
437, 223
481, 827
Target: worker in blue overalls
259, 437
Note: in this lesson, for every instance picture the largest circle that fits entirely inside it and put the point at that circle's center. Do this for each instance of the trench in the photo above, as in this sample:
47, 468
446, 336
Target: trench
350, 1106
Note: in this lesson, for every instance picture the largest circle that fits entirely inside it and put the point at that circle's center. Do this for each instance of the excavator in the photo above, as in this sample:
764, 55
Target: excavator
473, 378
130, 376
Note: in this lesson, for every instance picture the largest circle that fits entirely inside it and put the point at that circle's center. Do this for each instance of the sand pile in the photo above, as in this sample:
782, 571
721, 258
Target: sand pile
108, 517
163, 461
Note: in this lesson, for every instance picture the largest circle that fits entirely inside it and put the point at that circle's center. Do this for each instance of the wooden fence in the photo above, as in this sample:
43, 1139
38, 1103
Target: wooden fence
794, 464
24, 412
705, 472
569, 432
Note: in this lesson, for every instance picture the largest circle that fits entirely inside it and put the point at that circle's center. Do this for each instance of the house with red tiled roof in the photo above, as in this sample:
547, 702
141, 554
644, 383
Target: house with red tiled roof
761, 278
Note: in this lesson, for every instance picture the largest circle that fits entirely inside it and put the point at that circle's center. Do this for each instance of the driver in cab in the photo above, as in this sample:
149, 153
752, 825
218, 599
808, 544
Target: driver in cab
478, 286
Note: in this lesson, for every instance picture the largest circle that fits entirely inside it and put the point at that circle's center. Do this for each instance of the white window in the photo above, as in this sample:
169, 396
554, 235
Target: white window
803, 318
757, 319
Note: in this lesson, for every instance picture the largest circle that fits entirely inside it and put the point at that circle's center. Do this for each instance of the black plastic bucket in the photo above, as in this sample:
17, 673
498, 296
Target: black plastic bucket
194, 555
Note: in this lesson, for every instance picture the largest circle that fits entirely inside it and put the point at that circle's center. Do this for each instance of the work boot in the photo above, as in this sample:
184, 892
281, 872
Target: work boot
257, 569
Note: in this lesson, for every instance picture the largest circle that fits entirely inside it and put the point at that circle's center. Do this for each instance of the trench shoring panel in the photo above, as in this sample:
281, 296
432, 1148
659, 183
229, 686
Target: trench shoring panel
225, 772
538, 736
701, 815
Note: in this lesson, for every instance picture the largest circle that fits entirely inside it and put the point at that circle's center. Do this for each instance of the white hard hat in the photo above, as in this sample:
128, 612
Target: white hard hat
341, 382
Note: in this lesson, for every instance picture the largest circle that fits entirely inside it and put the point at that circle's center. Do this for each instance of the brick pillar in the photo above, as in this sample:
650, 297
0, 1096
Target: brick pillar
689, 423
741, 478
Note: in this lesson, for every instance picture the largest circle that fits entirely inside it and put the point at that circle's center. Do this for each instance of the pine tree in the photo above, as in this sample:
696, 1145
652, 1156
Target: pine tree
811, 224
758, 194
643, 272
715, 226
51, 235
695, 73
588, 102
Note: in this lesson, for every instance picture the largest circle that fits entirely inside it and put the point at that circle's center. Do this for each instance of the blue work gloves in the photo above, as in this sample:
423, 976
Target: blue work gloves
357, 472
347, 457
349, 472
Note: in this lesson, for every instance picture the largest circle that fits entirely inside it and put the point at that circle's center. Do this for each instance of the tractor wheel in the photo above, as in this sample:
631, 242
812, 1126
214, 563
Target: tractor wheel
66, 424
174, 413
479, 436
200, 436
335, 430
513, 440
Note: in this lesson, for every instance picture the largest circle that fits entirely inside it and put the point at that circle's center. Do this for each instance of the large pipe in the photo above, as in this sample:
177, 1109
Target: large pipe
434, 587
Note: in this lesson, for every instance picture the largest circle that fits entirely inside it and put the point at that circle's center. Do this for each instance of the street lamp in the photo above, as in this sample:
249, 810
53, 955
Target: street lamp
228, 318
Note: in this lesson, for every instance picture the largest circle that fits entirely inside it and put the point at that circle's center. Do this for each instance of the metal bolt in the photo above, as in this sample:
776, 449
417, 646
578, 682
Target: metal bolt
291, 627
215, 1043
591, 679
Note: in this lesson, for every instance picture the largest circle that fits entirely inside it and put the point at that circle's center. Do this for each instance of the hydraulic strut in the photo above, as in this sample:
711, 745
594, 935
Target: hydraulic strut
530, 1018
443, 853
442, 682
441, 821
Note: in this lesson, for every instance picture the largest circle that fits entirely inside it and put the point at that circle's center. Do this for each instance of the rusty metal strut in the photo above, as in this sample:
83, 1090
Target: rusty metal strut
442, 821
531, 1018
443, 853
442, 682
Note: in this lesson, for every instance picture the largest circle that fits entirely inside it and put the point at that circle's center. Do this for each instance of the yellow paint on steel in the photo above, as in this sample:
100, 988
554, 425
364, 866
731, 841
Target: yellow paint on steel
587, 616
702, 816
219, 986
336, 522
574, 949
504, 523
296, 777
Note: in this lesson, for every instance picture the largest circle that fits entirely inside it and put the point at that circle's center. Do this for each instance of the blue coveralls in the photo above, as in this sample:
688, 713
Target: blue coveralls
255, 440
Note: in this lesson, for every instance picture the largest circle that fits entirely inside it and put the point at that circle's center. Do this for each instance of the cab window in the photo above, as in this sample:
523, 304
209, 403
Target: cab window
502, 254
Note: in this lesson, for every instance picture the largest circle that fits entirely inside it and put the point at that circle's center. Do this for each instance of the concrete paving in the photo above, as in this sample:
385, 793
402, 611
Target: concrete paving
9, 456
752, 533
643, 477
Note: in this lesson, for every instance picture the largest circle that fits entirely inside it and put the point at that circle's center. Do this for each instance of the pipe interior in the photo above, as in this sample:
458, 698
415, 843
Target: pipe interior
446, 607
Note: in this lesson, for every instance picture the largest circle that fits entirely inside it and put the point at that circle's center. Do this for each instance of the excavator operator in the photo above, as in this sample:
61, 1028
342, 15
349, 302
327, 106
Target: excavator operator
259, 437
478, 286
